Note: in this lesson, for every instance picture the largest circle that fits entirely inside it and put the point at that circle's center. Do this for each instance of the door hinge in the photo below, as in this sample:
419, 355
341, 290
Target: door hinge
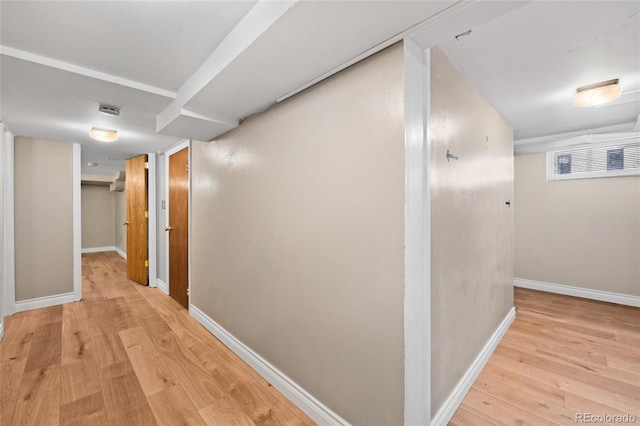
146, 213
146, 165
187, 292
146, 263
187, 168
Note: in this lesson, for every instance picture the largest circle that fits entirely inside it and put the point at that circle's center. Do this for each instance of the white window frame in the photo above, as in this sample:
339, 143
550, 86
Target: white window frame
552, 176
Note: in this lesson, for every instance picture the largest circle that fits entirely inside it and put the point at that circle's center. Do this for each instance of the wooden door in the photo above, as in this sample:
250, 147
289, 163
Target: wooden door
178, 228
137, 219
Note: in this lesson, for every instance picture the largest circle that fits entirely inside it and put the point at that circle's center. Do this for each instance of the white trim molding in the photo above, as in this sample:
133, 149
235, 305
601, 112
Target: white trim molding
120, 252
448, 409
417, 238
8, 247
45, 302
1, 328
585, 293
304, 400
581, 137
151, 224
162, 286
98, 249
77, 222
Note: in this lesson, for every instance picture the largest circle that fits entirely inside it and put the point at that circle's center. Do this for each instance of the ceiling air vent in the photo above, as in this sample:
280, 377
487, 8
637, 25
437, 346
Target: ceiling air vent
109, 110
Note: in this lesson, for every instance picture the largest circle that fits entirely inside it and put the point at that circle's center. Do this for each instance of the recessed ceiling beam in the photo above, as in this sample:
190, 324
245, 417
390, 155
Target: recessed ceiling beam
262, 16
87, 72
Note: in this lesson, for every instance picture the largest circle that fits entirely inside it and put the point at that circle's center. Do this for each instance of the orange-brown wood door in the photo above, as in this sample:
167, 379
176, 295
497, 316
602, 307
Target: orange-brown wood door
178, 227
137, 219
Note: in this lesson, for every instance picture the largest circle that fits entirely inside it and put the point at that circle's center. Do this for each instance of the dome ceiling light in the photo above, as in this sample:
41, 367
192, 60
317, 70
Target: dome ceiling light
103, 135
598, 93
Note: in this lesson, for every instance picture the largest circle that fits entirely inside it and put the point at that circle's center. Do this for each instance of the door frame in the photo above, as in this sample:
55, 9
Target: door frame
151, 223
186, 143
77, 222
8, 246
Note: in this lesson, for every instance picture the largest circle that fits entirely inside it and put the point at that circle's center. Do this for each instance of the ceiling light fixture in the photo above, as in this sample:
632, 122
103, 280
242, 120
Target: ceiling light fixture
597, 94
103, 135
90, 164
109, 110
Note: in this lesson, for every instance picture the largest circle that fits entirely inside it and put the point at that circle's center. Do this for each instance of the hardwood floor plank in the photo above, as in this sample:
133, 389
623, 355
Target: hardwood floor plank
38, 400
122, 356
225, 411
467, 416
247, 393
172, 406
13, 358
561, 356
124, 400
536, 390
38, 411
579, 404
152, 373
46, 346
153, 325
78, 380
493, 407
106, 341
199, 385
121, 314
545, 409
87, 411
17, 326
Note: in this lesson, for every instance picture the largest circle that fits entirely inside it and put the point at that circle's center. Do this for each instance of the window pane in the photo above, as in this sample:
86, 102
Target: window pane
615, 159
563, 164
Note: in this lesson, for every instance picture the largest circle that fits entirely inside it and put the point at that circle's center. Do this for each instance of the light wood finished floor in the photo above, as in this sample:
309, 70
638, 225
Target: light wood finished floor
561, 356
127, 355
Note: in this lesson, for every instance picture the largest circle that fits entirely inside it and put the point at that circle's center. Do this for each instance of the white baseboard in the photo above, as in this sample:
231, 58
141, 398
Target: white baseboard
586, 293
98, 249
448, 409
44, 302
121, 253
162, 286
305, 401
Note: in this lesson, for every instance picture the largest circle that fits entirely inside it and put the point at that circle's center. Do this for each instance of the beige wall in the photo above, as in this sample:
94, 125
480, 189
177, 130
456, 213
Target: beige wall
43, 218
298, 238
583, 233
120, 216
471, 226
98, 216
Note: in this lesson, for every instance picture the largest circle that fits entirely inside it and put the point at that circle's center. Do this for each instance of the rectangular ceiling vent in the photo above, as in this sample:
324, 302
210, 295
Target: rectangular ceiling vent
595, 161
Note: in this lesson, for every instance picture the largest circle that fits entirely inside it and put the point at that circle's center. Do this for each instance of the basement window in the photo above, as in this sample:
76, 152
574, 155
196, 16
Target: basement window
595, 161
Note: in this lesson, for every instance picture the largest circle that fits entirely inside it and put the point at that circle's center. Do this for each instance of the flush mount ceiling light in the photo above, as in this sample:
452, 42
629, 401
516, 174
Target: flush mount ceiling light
597, 94
103, 135
90, 164
109, 110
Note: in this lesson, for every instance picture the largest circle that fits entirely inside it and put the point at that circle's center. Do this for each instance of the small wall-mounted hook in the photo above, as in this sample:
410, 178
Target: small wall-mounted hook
508, 203
451, 156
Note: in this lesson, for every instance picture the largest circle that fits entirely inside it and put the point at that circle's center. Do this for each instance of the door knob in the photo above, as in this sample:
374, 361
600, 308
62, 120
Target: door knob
168, 228
125, 222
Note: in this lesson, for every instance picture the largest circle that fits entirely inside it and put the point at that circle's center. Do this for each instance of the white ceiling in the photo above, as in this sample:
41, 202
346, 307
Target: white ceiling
160, 43
529, 63
194, 69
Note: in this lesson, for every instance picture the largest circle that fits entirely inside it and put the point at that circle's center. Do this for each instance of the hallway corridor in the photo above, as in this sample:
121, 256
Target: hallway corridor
127, 355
